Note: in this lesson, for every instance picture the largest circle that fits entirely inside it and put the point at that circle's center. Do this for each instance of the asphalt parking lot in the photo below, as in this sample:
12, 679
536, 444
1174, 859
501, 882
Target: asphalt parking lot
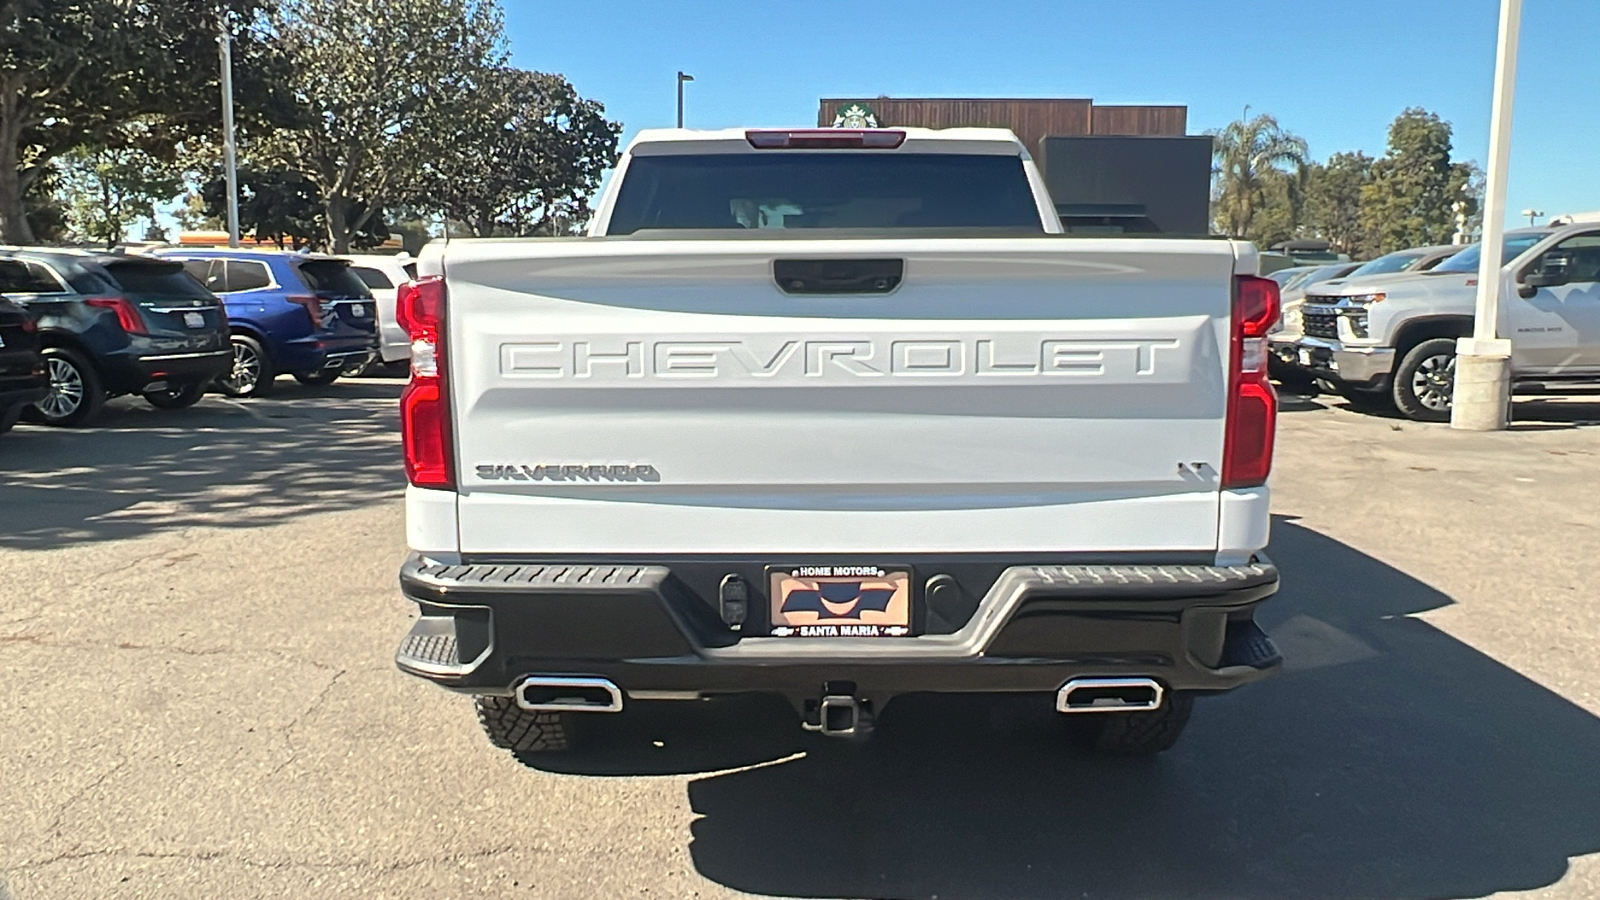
200, 700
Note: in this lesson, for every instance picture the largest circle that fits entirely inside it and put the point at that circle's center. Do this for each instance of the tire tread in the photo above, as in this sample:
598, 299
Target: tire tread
1134, 733
510, 727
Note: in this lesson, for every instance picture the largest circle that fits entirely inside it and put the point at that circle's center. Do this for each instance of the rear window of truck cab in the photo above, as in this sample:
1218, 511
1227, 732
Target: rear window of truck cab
795, 190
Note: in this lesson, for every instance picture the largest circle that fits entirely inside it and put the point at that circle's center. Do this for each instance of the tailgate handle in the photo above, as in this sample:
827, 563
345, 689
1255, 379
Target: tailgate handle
837, 276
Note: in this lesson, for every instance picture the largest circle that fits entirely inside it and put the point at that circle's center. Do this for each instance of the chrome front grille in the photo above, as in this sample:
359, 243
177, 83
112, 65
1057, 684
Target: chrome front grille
1322, 323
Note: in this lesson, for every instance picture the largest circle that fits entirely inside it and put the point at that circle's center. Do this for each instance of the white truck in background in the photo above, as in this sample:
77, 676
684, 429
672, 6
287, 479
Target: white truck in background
839, 415
1390, 343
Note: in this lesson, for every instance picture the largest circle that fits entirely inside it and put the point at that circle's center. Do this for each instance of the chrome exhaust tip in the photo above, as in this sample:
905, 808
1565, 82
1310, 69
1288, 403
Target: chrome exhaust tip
1092, 695
567, 694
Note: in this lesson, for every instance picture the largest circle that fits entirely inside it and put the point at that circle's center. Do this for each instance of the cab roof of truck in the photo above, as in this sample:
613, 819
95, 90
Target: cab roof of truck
669, 141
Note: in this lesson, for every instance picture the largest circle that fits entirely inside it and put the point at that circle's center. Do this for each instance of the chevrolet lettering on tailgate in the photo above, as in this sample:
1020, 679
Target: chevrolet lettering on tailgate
781, 359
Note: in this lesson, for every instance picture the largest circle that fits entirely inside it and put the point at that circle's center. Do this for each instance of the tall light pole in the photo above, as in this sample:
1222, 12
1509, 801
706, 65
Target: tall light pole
230, 159
681, 79
1481, 398
1533, 216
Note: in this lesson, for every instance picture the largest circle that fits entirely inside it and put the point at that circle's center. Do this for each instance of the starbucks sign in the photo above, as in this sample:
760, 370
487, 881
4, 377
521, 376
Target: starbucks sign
855, 115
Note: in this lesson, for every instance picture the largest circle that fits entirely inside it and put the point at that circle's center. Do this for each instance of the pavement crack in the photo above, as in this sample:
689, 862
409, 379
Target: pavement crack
289, 729
56, 821
273, 864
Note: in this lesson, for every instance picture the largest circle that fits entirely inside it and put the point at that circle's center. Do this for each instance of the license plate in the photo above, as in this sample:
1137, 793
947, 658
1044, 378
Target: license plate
840, 601
1305, 358
194, 320
358, 310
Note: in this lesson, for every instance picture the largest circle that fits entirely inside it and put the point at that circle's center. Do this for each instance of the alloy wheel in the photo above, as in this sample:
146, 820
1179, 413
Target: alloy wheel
1434, 381
246, 370
66, 390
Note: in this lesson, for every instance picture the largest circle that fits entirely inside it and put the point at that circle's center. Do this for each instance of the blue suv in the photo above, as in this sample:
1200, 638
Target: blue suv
301, 314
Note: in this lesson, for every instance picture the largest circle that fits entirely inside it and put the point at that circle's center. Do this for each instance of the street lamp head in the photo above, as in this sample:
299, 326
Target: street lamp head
682, 77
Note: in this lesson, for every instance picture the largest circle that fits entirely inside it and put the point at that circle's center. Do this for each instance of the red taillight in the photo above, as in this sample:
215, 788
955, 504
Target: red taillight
127, 314
313, 306
425, 404
419, 305
826, 139
1252, 403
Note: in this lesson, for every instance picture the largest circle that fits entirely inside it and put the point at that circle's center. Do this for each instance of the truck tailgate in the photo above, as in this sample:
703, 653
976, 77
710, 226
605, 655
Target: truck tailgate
667, 397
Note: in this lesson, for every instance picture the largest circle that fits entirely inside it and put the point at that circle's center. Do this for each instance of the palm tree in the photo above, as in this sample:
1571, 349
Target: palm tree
1246, 156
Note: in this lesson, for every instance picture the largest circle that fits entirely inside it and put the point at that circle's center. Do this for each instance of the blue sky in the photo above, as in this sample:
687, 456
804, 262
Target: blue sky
1335, 72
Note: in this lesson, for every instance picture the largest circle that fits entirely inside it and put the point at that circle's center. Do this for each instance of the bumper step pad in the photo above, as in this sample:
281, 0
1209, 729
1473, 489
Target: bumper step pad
1248, 645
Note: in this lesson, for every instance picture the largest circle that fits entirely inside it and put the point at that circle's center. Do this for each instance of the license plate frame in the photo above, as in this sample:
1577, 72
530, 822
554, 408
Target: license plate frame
194, 320
871, 601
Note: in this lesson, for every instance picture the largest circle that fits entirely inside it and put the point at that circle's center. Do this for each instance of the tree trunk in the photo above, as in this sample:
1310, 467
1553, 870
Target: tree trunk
14, 228
338, 210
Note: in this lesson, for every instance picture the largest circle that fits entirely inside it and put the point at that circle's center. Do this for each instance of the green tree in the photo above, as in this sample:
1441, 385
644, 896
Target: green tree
528, 162
382, 85
1256, 166
1332, 208
107, 189
73, 72
280, 204
43, 207
1278, 210
1411, 199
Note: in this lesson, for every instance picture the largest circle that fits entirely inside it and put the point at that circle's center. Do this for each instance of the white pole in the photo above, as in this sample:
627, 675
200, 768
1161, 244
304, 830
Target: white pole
681, 79
1483, 362
230, 161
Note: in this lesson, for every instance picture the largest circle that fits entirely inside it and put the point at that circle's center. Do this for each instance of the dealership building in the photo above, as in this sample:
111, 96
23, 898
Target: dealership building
1110, 169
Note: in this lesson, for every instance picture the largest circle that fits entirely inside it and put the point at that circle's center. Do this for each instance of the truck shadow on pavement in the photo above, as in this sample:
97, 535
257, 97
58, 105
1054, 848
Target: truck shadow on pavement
223, 463
1387, 760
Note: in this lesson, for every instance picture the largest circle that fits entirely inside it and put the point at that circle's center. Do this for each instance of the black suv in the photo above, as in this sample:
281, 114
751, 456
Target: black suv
115, 324
22, 379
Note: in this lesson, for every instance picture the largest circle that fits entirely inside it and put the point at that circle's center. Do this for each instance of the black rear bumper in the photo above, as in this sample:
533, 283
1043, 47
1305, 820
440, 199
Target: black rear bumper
485, 627
131, 373
15, 392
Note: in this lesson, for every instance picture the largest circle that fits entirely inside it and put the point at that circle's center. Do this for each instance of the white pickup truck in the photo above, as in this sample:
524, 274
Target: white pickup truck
1390, 343
838, 415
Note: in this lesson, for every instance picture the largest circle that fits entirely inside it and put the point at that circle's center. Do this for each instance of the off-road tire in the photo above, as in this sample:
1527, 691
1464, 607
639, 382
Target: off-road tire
317, 378
1406, 398
181, 397
510, 727
90, 395
1132, 733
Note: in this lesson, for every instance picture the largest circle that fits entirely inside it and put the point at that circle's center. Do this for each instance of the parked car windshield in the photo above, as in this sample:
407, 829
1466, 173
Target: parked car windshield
1383, 265
1284, 276
1467, 260
156, 280
1317, 276
781, 190
333, 276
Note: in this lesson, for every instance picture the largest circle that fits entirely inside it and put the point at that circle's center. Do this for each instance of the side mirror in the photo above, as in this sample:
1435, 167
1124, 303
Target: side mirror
1554, 271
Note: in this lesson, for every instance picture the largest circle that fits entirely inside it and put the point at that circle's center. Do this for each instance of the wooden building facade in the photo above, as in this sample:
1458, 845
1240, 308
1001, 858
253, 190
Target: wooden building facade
1032, 120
